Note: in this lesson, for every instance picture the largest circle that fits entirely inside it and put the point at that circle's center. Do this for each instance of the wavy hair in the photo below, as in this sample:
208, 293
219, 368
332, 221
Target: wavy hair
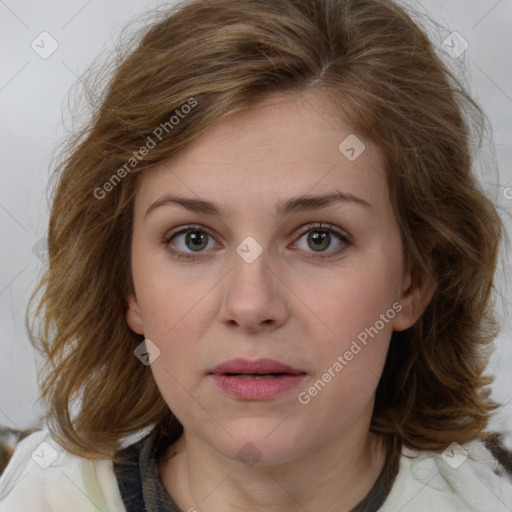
381, 73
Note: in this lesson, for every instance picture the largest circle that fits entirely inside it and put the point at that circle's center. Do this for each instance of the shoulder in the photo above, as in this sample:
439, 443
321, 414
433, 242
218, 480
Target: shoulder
41, 475
469, 478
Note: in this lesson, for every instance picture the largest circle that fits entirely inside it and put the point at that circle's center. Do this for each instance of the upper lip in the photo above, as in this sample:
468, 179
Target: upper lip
257, 367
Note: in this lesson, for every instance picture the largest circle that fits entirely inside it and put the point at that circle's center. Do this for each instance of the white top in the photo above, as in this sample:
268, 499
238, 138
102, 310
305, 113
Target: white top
43, 477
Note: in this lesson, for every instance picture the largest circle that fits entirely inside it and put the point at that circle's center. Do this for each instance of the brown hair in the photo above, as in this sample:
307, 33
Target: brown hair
378, 67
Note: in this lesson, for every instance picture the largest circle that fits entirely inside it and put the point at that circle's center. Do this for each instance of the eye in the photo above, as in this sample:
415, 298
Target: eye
191, 241
321, 237
188, 242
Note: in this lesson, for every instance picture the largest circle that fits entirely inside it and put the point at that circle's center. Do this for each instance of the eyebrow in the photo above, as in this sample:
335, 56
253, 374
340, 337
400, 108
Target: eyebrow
283, 208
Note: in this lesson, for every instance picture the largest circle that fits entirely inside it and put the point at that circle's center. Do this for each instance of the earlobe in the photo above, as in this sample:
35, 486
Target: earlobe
133, 316
415, 299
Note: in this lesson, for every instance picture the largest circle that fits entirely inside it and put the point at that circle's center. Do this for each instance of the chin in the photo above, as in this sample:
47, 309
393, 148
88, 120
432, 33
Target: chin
269, 441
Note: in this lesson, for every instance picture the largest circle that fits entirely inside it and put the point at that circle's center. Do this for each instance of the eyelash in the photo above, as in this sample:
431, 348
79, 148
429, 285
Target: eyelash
323, 227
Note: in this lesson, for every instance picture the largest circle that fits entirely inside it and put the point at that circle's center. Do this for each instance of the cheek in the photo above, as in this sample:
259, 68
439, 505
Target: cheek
175, 323
167, 297
352, 340
174, 311
180, 367
348, 373
358, 300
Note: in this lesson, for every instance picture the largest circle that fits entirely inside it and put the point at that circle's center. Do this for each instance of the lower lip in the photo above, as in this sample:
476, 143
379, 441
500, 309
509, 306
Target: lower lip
257, 389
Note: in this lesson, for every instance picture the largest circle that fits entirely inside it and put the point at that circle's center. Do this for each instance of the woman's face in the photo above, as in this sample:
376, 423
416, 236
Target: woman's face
256, 277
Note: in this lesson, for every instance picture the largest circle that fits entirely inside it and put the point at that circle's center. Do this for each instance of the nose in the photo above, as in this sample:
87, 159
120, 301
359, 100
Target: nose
254, 297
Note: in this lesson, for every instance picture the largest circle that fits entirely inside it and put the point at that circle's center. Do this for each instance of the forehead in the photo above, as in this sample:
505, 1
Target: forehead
287, 145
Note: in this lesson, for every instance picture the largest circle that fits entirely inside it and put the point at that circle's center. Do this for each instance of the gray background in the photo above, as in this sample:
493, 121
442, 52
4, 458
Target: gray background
33, 102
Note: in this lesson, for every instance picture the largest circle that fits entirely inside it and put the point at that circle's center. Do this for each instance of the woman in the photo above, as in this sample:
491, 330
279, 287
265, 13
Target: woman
276, 270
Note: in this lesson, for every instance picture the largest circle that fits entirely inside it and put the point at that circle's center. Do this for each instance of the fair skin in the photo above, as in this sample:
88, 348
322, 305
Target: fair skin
294, 303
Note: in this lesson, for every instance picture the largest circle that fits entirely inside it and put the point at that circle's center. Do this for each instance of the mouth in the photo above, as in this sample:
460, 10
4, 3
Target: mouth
256, 375
265, 367
262, 379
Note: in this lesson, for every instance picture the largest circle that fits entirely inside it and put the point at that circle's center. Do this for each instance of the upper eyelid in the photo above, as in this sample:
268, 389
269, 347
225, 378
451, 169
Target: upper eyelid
325, 226
183, 229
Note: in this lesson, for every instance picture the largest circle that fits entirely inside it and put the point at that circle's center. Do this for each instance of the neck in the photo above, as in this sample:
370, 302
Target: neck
334, 478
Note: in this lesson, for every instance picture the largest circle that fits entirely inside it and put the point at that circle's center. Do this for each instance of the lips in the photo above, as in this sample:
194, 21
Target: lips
259, 367
262, 379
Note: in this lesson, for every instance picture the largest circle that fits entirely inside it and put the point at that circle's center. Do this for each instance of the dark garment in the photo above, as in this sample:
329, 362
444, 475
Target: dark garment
138, 478
136, 470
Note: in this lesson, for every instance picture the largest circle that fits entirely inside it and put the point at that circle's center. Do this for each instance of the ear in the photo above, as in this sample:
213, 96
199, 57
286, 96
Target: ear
417, 292
133, 316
